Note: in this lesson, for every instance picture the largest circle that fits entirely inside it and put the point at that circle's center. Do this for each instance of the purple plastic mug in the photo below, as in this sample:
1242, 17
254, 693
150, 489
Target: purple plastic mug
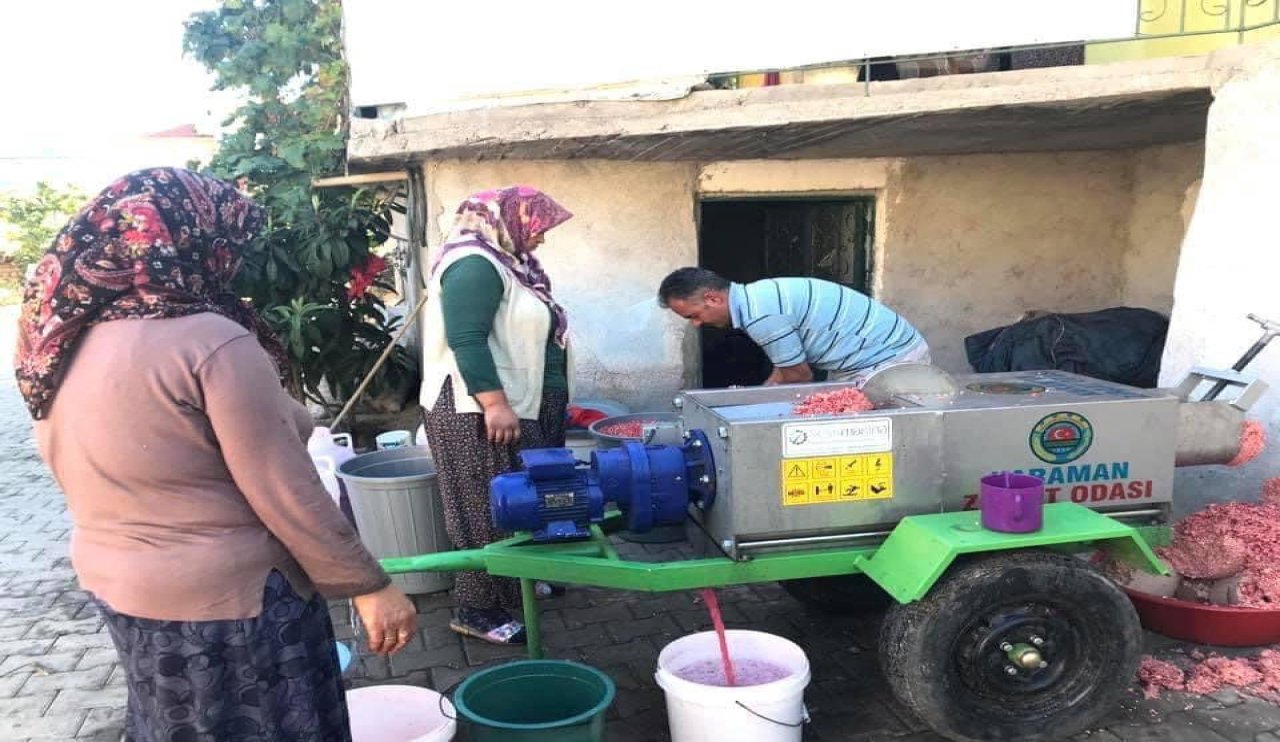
1011, 503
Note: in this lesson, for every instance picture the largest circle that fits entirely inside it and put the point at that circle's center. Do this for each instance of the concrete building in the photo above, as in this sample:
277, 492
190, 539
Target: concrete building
962, 201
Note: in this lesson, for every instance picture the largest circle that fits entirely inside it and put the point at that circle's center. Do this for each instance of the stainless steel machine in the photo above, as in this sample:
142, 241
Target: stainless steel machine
785, 482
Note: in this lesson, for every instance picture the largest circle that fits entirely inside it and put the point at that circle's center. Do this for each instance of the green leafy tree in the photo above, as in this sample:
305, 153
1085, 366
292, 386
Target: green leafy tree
34, 219
312, 274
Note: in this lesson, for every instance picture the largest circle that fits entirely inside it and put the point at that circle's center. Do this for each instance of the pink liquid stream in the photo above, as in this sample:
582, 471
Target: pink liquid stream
713, 607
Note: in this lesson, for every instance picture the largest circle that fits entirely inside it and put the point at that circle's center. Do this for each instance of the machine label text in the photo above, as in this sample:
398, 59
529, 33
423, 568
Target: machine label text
1085, 494
1079, 473
837, 437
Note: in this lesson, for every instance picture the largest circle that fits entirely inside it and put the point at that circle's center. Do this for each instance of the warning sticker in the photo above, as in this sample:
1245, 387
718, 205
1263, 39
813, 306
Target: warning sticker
832, 479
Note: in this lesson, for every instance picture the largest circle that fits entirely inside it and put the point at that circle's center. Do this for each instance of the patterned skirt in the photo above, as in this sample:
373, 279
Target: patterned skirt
465, 462
274, 677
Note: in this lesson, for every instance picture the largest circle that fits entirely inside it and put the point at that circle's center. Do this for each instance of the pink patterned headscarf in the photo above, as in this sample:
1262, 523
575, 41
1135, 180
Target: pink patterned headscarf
503, 222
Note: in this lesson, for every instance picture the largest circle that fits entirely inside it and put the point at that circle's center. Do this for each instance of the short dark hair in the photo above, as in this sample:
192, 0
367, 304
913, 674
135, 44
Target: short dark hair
682, 284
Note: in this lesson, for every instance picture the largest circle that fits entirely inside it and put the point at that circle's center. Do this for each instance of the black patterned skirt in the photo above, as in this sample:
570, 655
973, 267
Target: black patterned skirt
465, 464
274, 677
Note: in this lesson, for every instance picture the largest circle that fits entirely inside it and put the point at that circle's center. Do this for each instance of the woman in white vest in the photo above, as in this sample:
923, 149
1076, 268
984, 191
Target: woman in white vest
495, 380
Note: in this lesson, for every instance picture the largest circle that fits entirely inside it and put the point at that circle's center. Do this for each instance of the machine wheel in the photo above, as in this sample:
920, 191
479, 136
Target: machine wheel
844, 594
967, 657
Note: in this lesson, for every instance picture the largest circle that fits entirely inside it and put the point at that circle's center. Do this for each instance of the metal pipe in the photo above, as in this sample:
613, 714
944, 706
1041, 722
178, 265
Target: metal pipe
1269, 331
532, 622
444, 561
834, 538
1122, 514
606, 547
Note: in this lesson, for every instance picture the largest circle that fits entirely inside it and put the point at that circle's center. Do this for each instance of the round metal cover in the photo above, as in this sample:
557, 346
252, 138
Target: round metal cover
908, 379
1005, 387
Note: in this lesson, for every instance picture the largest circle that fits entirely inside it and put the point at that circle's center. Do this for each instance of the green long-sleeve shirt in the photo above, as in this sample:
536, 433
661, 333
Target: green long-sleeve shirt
471, 291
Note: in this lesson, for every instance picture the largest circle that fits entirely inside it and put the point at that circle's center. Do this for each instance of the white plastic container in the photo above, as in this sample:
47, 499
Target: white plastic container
394, 439
400, 713
328, 452
327, 469
769, 712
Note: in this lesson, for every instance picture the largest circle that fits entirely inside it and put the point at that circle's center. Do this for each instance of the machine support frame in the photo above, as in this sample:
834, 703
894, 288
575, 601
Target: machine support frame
907, 564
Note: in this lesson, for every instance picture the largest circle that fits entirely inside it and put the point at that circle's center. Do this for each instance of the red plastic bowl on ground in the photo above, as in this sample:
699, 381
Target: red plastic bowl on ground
1219, 625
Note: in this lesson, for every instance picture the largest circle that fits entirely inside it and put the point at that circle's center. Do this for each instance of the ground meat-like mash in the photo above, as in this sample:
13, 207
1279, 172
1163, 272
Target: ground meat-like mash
1253, 438
1157, 675
629, 429
1204, 674
838, 402
1208, 544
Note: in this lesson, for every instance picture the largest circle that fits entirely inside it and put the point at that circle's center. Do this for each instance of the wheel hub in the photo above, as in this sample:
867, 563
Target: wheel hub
1018, 650
1025, 656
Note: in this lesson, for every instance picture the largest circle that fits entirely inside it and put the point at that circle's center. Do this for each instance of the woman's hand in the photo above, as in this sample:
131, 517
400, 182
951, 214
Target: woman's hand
389, 619
502, 424
500, 421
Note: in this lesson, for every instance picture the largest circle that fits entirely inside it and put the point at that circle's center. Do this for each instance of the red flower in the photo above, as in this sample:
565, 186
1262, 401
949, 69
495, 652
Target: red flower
362, 278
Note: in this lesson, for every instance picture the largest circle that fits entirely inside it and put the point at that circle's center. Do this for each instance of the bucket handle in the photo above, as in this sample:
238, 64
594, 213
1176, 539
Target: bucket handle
447, 692
440, 701
804, 716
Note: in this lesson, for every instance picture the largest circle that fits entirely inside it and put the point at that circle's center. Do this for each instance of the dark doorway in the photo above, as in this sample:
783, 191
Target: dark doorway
750, 239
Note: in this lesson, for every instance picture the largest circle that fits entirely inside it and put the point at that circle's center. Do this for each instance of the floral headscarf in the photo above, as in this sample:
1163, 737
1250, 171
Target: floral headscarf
502, 222
154, 244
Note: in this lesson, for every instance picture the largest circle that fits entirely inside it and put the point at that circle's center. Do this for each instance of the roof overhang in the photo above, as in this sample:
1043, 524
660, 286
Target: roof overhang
1111, 106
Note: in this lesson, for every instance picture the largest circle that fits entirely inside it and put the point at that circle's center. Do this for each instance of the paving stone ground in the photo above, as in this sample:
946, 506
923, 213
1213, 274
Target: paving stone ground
59, 679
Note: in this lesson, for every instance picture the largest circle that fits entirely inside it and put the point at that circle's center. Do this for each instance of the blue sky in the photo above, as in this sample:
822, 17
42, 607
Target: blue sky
77, 72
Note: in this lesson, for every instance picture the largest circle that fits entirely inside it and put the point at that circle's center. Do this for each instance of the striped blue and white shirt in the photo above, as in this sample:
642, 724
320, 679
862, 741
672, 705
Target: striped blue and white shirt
824, 324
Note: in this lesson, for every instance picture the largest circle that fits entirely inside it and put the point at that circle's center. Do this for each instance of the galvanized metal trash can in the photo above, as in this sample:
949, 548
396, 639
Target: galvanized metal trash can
398, 510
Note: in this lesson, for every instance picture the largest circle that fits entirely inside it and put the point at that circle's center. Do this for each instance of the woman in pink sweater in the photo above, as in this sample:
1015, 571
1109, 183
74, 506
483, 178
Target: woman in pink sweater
200, 525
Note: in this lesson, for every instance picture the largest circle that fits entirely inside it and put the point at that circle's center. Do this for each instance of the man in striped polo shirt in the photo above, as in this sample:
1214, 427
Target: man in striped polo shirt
802, 324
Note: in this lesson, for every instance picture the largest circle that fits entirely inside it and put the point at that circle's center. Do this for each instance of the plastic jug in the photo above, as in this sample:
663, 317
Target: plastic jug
328, 472
328, 452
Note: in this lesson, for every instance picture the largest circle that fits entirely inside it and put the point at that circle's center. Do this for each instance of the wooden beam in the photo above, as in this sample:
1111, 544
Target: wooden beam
359, 179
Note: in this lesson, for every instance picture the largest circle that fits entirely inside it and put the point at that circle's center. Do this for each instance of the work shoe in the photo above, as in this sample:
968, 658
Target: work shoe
495, 625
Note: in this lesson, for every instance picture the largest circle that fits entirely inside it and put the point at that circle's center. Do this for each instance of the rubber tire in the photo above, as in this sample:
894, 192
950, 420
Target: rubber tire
917, 648
843, 594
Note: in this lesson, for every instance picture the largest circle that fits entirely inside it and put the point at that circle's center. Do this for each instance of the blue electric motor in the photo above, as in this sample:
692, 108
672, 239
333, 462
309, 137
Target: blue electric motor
557, 497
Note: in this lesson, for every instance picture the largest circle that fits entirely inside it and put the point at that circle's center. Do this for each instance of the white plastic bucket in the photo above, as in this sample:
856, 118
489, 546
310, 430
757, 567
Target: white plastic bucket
400, 713
769, 712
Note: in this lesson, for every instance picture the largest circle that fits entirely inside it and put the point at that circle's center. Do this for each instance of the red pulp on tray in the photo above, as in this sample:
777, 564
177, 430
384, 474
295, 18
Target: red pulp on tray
629, 429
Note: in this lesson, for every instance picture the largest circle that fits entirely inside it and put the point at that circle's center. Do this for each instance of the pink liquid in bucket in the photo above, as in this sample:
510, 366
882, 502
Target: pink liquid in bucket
746, 672
1011, 503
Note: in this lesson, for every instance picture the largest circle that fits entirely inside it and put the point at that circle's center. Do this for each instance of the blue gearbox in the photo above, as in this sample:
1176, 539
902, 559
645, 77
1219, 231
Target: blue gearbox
557, 497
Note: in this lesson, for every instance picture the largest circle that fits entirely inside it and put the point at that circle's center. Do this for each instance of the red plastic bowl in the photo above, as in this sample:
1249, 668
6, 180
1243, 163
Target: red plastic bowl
1220, 625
